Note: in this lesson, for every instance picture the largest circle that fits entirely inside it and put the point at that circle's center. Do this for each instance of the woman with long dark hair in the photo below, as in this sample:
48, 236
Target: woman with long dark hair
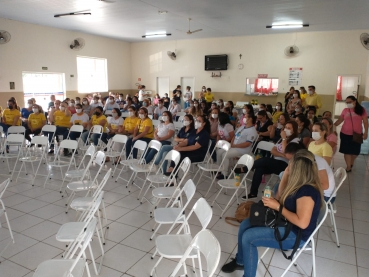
353, 117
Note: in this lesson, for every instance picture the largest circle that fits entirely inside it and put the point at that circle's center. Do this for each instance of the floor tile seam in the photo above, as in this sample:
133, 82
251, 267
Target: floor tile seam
353, 229
16, 264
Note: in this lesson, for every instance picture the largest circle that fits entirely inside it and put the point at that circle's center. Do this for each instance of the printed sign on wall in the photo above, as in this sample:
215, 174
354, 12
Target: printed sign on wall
295, 76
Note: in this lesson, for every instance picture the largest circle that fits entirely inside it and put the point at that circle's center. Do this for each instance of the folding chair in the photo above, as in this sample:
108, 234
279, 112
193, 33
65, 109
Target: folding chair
309, 245
206, 158
73, 264
125, 115
68, 232
179, 114
76, 129
204, 243
34, 154
83, 184
229, 183
59, 163
51, 129
174, 246
155, 122
96, 129
16, 130
80, 171
15, 140
176, 211
340, 176
3, 187
112, 148
208, 166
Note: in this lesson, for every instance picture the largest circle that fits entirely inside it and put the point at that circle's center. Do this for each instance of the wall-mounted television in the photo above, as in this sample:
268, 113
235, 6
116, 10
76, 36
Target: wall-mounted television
216, 62
262, 86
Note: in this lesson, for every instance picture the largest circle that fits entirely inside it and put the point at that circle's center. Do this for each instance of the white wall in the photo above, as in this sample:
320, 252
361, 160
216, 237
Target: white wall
323, 56
33, 46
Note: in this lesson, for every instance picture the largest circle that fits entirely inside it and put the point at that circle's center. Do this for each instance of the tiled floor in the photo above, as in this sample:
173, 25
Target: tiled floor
36, 213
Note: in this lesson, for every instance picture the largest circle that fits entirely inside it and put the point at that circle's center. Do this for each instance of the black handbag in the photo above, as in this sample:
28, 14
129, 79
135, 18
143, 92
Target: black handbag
261, 216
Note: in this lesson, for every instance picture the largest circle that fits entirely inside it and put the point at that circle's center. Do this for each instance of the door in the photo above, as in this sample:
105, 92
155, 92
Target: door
162, 84
346, 86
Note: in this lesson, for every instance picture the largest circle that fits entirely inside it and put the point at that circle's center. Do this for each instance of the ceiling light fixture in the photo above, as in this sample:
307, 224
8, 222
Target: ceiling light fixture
287, 26
73, 13
156, 35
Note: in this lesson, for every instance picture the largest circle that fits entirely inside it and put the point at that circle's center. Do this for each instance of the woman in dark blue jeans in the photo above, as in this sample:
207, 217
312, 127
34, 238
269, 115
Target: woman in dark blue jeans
300, 200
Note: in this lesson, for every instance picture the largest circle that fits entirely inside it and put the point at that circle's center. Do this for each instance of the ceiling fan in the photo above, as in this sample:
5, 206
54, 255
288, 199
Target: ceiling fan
189, 32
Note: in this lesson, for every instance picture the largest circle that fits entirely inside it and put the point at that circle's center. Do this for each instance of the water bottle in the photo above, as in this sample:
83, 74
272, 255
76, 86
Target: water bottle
268, 192
237, 180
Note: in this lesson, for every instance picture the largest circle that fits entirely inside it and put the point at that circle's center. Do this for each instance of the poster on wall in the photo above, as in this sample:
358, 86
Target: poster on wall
295, 76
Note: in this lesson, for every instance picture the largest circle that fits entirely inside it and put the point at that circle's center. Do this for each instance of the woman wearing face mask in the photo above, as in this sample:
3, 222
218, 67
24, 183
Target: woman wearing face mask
129, 124
174, 108
79, 118
25, 112
221, 105
71, 106
35, 122
110, 105
297, 110
163, 133
135, 102
275, 165
128, 104
353, 117
331, 135
288, 96
196, 111
311, 116
241, 144
159, 110
202, 92
144, 130
147, 104
225, 128
320, 146
212, 107
295, 100
277, 112
196, 145
303, 129
97, 119
204, 108
86, 106
214, 124
276, 128
115, 124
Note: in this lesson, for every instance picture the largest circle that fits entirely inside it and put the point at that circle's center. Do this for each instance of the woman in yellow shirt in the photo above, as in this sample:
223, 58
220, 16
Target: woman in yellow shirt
11, 116
277, 112
36, 121
209, 97
130, 122
320, 146
144, 130
97, 119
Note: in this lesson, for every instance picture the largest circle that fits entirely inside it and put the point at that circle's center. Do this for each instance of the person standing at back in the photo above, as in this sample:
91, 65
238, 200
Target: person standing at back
142, 94
313, 99
187, 97
177, 94
209, 97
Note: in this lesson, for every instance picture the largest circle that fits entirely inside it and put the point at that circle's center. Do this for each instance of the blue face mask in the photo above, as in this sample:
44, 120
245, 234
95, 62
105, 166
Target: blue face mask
144, 104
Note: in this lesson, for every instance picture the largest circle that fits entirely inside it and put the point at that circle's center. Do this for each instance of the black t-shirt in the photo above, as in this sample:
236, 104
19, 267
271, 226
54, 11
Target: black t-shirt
201, 138
166, 101
261, 128
177, 94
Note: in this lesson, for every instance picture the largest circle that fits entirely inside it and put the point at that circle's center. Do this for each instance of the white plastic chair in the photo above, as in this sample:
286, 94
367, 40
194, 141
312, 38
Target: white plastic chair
34, 154
125, 115
229, 183
309, 245
174, 246
179, 114
181, 119
59, 163
68, 232
155, 122
96, 129
210, 167
3, 187
175, 212
76, 129
73, 264
204, 243
170, 192
16, 130
116, 142
141, 147
15, 140
50, 129
207, 158
178, 125
340, 176
86, 184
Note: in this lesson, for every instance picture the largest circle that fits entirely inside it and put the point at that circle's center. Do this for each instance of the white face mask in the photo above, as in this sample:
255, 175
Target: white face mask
114, 114
121, 98
78, 110
30, 105
62, 108
164, 118
295, 95
288, 132
77, 102
297, 110
142, 116
131, 113
198, 125
310, 92
350, 105
316, 135
111, 101
71, 104
160, 105
196, 105
279, 125
203, 89
261, 109
244, 120
244, 111
277, 107
35, 110
186, 123
219, 103
214, 115
84, 102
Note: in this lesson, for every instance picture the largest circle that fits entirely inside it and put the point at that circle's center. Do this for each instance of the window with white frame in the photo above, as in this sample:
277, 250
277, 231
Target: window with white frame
92, 74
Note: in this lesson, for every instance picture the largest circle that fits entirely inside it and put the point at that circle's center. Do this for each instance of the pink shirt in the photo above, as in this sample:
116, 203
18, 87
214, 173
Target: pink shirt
332, 137
356, 121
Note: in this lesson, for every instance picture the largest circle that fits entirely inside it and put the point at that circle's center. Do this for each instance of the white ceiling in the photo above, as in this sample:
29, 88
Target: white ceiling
130, 19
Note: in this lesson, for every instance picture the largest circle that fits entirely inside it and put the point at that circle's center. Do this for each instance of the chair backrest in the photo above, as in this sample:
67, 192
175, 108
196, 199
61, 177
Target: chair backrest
155, 144
90, 150
120, 138
102, 184
108, 118
265, 145
49, 128
16, 130
204, 243
150, 116
203, 212
155, 122
40, 140
141, 146
173, 155
1, 129
125, 114
181, 119
189, 190
96, 129
244, 160
90, 212
178, 125
3, 187
99, 158
184, 166
13, 139
339, 177
76, 128
69, 144
180, 114
222, 144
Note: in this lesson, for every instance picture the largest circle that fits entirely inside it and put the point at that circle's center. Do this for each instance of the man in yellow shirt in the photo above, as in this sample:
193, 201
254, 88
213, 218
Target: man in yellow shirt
313, 99
98, 118
11, 117
209, 97
60, 117
36, 121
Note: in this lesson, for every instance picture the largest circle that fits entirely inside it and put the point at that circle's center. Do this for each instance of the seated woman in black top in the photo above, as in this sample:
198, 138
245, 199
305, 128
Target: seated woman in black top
262, 124
196, 146
276, 128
